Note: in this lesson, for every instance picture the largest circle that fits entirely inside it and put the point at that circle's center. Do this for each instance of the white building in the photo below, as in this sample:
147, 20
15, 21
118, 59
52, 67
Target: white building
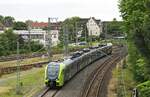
94, 27
54, 37
39, 35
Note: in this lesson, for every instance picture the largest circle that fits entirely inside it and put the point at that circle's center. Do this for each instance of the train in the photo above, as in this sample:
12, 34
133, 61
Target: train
59, 72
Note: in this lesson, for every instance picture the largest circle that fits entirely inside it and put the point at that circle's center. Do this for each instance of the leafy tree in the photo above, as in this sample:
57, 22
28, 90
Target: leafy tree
8, 42
70, 23
8, 21
136, 16
144, 89
114, 27
20, 26
136, 19
1, 19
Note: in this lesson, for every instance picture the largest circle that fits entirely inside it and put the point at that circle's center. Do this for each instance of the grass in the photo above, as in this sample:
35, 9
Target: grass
121, 84
32, 81
129, 83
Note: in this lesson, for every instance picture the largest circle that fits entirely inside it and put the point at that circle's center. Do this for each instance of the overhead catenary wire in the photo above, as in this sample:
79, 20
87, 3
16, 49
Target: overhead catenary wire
18, 88
66, 41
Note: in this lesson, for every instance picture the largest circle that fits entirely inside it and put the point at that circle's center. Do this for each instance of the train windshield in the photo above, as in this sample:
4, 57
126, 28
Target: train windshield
53, 71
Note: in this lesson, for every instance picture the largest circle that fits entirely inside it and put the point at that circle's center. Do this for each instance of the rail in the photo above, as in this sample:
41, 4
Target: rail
95, 85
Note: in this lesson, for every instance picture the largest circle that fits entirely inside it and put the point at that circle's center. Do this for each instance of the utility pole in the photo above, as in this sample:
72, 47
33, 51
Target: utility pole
18, 70
66, 40
76, 33
49, 39
106, 32
29, 40
85, 35
90, 37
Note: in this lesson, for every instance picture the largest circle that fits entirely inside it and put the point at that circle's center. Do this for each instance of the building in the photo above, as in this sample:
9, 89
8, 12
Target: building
54, 37
35, 35
94, 26
38, 35
41, 27
44, 25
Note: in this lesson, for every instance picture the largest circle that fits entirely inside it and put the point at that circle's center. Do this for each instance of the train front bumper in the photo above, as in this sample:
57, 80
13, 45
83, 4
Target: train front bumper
53, 83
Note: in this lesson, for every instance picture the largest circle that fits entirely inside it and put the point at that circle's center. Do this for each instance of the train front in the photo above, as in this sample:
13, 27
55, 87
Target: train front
52, 74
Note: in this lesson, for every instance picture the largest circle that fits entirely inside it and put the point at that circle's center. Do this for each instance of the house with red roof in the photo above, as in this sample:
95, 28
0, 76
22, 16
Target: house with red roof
44, 25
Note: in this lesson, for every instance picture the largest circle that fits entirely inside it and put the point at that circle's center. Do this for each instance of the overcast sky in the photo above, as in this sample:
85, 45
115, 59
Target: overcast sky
40, 10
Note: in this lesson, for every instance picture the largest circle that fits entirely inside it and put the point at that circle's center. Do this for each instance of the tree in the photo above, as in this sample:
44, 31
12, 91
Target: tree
20, 26
136, 16
144, 89
136, 19
8, 44
8, 21
114, 27
8, 41
1, 19
70, 23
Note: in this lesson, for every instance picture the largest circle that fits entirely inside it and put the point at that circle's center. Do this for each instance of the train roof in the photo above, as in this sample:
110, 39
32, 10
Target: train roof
53, 63
78, 54
68, 61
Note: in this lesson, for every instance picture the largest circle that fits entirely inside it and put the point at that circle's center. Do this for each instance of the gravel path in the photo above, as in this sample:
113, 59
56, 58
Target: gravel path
75, 85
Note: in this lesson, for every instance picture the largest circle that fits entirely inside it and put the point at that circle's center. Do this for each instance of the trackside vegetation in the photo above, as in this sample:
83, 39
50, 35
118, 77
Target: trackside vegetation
8, 44
31, 82
136, 16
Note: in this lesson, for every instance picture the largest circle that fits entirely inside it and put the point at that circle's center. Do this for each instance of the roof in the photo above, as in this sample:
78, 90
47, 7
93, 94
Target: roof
96, 20
39, 24
54, 26
85, 20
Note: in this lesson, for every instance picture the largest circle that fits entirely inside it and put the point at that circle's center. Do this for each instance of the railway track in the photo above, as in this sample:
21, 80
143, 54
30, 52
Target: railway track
8, 70
22, 56
33, 55
96, 84
47, 92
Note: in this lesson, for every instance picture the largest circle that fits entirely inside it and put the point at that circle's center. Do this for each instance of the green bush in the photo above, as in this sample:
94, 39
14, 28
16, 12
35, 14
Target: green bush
144, 89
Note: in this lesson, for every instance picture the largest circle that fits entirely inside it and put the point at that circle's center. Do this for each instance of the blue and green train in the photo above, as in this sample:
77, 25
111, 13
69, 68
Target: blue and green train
57, 73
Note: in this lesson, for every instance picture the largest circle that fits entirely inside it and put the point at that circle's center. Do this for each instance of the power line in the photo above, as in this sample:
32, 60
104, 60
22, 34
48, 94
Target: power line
18, 91
76, 24
66, 40
29, 30
49, 39
49, 36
